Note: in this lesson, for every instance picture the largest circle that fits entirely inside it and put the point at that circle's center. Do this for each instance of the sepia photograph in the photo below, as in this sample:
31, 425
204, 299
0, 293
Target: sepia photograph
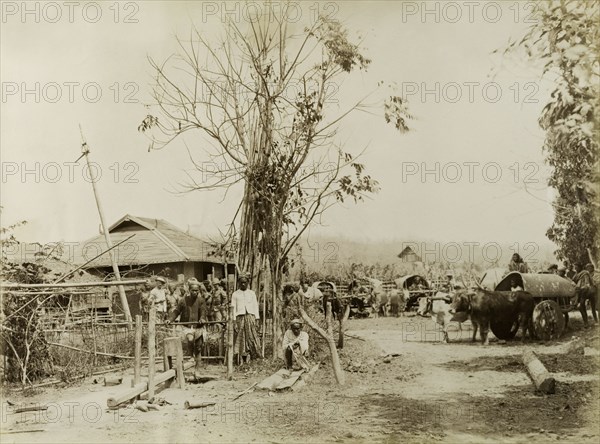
309, 221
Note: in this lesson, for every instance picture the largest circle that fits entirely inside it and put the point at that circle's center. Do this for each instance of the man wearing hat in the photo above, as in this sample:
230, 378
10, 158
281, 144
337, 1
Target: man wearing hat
219, 301
562, 271
295, 341
586, 291
246, 312
158, 297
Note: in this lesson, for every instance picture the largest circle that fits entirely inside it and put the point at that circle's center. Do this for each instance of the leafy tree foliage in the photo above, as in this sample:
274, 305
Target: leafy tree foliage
22, 339
566, 38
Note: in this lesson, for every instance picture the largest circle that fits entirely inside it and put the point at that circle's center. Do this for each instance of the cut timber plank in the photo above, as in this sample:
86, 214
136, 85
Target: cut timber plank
290, 381
274, 380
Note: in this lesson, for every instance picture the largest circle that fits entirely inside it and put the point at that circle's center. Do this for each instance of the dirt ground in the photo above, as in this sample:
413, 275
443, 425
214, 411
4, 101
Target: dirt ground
402, 384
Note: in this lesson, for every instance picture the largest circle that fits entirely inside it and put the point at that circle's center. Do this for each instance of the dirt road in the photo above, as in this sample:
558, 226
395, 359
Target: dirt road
402, 385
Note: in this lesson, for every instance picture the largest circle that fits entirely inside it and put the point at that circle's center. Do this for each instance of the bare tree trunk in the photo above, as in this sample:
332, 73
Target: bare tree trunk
328, 336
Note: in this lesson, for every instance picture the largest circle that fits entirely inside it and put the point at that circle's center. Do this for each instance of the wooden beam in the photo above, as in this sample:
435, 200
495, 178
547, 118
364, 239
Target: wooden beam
112, 355
142, 387
66, 275
74, 285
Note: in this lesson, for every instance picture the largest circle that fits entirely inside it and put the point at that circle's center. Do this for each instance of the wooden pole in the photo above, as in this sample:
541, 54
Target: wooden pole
111, 355
66, 275
75, 285
137, 368
109, 244
151, 350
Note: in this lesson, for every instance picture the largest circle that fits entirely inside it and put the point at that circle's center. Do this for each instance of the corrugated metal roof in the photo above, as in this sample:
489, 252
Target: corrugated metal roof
156, 241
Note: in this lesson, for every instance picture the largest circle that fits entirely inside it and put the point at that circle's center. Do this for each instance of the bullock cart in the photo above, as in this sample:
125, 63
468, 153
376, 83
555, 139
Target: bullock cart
413, 286
361, 296
554, 297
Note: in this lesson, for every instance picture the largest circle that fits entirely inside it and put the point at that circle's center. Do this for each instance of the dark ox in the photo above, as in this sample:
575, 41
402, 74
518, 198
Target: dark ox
337, 305
439, 308
484, 306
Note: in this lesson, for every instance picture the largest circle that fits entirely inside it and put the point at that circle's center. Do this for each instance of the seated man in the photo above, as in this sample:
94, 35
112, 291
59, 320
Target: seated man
295, 342
192, 308
514, 285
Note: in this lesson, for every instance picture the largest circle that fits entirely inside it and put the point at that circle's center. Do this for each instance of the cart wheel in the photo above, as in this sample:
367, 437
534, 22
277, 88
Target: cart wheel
504, 329
548, 320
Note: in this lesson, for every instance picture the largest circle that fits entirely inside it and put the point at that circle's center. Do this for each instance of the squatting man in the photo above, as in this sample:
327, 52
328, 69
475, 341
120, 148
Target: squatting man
295, 344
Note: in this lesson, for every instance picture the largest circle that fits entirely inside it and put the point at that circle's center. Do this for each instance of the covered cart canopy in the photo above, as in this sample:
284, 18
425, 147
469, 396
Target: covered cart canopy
554, 297
325, 286
406, 281
545, 286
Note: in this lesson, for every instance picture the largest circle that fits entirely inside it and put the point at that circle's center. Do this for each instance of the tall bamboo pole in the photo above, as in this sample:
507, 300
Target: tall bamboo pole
274, 318
230, 319
109, 244
263, 295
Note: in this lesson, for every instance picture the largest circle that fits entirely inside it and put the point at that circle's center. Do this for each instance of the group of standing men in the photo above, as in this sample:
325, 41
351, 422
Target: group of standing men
586, 281
198, 302
586, 289
193, 302
170, 299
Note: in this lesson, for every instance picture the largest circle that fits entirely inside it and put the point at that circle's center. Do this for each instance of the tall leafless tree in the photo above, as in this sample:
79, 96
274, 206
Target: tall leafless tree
260, 100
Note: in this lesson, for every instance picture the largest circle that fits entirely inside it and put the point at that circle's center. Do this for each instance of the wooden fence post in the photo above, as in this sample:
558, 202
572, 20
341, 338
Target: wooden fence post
137, 368
151, 350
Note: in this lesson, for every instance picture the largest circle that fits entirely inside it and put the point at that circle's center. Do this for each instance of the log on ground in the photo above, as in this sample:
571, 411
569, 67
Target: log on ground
542, 379
198, 404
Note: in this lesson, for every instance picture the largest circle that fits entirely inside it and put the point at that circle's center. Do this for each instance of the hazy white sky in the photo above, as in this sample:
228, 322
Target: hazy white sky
476, 129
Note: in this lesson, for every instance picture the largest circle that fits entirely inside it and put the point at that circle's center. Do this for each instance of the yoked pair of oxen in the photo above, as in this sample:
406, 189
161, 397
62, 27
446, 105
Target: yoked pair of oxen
482, 307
